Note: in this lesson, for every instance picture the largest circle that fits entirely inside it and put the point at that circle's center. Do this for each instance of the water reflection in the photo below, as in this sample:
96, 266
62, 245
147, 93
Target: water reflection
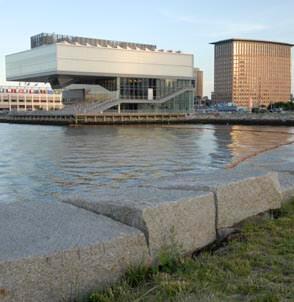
249, 140
45, 162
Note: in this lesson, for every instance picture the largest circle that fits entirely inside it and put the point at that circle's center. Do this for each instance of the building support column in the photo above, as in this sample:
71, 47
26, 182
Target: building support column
118, 87
118, 92
47, 102
9, 101
17, 102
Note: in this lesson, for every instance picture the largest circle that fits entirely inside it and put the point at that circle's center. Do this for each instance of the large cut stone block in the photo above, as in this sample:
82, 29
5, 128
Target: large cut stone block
241, 199
240, 193
167, 217
57, 252
287, 186
190, 223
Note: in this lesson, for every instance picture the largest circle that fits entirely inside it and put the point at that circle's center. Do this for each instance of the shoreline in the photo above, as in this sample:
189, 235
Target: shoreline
273, 119
96, 242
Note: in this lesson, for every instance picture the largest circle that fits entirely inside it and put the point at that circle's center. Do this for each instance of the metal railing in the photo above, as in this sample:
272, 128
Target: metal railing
101, 107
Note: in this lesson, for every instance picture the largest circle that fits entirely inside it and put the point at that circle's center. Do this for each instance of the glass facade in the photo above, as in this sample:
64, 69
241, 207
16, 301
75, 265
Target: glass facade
182, 103
135, 94
109, 83
137, 88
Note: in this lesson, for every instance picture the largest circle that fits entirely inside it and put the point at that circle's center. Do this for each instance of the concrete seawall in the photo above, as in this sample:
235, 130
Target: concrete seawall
110, 118
65, 250
271, 119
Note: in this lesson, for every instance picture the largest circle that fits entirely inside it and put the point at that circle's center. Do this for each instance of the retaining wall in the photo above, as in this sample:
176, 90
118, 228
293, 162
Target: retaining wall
109, 118
223, 118
51, 252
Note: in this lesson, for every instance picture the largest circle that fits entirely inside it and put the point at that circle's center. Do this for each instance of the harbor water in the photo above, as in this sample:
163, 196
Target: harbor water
46, 163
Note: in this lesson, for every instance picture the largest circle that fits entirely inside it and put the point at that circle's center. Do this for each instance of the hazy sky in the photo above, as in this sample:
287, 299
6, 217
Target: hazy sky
187, 25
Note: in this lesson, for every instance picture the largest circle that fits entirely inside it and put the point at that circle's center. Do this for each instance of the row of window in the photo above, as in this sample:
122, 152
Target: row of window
25, 90
28, 108
29, 101
252, 48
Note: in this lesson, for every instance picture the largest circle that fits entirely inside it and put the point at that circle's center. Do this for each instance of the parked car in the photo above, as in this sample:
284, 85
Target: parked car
259, 110
276, 110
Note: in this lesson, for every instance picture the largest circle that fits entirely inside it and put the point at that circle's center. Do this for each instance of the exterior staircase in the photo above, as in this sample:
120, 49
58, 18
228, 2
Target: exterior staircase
101, 106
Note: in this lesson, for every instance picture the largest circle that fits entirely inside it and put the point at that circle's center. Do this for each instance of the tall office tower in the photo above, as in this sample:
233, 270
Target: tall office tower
252, 73
198, 76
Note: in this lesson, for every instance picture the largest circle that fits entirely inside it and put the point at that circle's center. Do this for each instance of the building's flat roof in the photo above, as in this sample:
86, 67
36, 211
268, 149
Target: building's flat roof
52, 38
251, 40
45, 39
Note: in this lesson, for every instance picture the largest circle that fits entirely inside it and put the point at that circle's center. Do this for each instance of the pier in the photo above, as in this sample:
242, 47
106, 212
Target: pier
92, 119
109, 118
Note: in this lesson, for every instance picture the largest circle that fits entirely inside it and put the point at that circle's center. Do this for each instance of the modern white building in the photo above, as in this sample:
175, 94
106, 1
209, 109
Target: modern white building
107, 75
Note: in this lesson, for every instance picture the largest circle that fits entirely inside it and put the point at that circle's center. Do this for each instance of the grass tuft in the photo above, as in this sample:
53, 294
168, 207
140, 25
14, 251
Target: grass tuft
257, 266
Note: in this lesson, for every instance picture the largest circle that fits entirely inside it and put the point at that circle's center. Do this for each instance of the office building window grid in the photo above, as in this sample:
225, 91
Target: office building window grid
256, 71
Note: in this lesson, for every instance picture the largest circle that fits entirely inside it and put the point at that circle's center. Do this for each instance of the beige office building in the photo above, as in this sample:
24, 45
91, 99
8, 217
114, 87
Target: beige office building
198, 76
252, 73
29, 98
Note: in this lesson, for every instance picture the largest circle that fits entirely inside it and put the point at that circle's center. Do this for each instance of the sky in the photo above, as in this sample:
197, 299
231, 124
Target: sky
186, 25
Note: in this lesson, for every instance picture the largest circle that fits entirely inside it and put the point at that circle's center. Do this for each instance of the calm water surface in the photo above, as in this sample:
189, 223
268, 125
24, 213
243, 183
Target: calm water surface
46, 162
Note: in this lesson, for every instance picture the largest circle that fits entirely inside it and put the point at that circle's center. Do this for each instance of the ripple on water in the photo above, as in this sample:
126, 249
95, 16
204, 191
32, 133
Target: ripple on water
45, 163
